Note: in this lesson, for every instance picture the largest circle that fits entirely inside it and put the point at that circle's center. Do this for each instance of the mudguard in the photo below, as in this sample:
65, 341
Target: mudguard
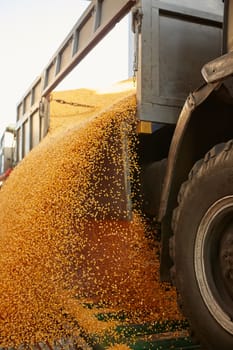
204, 121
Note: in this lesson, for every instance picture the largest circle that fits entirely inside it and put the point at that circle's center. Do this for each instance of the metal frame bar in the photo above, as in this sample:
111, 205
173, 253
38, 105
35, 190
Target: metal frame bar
98, 19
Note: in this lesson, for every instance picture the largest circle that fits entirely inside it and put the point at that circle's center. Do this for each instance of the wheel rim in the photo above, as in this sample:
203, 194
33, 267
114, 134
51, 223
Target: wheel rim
213, 261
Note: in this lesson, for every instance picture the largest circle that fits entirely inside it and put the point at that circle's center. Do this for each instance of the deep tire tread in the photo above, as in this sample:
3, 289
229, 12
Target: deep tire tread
216, 154
215, 157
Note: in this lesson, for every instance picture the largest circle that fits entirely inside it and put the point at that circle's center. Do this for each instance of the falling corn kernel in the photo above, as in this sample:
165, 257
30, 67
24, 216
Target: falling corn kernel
66, 236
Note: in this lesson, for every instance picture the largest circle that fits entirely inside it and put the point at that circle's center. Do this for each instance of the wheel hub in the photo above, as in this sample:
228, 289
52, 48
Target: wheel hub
226, 259
213, 259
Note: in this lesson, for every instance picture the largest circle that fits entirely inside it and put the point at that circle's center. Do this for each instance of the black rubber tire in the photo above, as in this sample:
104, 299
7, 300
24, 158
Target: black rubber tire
202, 248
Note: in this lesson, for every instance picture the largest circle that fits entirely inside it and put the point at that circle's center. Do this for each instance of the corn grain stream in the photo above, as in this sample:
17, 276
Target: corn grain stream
63, 242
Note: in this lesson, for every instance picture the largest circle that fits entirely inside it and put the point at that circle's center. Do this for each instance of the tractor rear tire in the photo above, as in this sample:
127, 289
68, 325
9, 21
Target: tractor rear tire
202, 248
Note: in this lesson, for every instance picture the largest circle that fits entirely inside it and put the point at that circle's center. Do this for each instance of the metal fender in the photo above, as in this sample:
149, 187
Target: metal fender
205, 120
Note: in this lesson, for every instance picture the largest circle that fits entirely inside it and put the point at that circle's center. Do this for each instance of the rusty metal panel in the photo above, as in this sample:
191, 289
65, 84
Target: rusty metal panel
176, 40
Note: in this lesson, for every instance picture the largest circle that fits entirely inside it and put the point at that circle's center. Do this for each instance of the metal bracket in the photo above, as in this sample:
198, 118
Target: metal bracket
200, 95
44, 115
42, 108
137, 16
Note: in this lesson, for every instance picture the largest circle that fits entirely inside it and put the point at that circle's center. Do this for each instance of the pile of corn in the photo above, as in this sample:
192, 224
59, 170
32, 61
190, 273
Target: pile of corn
63, 240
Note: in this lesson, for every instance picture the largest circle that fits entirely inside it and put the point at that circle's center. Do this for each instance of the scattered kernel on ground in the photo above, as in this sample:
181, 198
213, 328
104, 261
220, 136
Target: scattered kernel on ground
62, 238
118, 347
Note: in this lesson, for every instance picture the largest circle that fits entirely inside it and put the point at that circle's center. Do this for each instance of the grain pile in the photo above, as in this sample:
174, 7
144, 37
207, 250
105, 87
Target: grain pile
60, 244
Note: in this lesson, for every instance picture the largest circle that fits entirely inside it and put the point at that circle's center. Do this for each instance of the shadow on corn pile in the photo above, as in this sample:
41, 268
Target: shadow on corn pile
63, 242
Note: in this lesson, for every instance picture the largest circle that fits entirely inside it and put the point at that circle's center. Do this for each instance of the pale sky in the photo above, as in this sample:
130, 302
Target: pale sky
30, 33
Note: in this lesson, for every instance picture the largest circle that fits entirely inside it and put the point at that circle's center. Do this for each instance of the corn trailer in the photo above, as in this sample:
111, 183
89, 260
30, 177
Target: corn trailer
186, 147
